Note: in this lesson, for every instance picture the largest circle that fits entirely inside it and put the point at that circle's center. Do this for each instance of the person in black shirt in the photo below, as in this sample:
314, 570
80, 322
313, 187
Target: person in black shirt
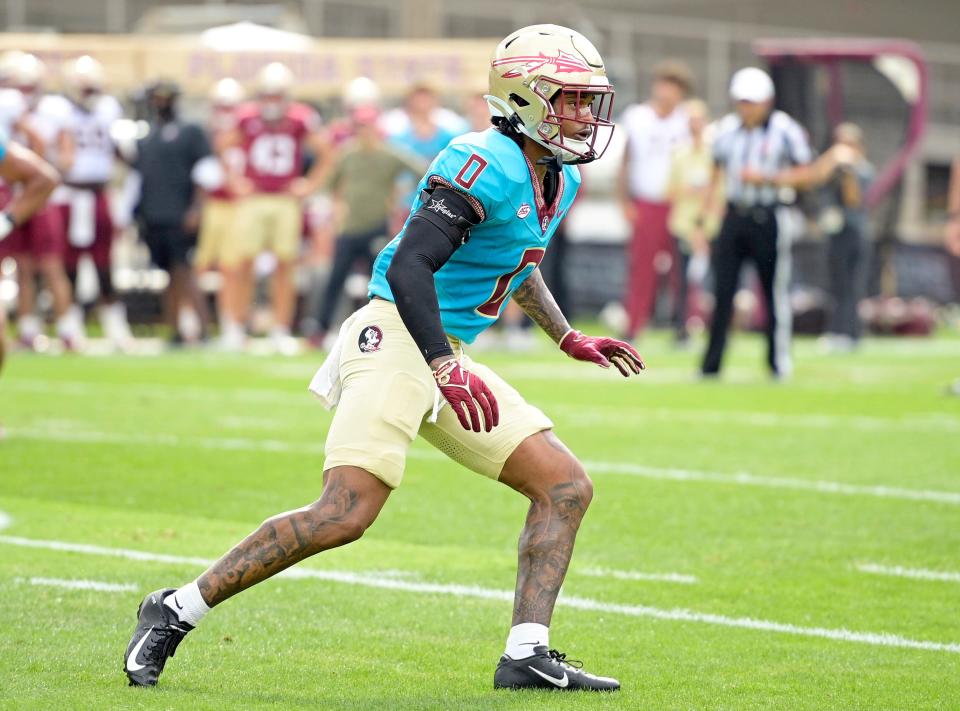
167, 158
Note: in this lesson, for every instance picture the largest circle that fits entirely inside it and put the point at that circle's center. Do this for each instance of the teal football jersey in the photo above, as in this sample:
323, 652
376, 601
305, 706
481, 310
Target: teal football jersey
475, 284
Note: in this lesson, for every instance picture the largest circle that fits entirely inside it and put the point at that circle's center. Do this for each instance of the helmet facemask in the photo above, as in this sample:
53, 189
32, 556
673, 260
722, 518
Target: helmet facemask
589, 132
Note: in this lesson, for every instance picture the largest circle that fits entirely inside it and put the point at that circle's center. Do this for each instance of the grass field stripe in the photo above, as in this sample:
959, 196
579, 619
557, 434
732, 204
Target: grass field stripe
637, 575
915, 573
584, 416
593, 466
83, 585
747, 479
390, 583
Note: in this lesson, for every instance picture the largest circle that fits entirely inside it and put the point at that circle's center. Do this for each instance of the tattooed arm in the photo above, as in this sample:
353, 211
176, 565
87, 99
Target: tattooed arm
538, 303
535, 299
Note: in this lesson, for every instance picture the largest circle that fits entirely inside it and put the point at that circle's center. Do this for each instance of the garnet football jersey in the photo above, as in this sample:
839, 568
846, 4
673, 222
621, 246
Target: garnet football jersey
274, 149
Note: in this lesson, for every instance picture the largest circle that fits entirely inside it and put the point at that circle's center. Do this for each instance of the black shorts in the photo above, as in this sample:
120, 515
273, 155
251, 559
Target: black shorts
169, 245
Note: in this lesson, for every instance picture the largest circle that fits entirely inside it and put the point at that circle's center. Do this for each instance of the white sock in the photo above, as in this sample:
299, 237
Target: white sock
524, 637
29, 326
188, 604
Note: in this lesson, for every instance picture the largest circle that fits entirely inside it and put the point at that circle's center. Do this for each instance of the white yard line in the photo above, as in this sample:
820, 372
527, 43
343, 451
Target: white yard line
5, 520
64, 434
82, 584
917, 422
637, 575
391, 583
747, 479
916, 573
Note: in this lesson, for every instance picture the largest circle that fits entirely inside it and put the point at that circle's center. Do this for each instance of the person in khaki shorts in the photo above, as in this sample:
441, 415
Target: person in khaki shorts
275, 133
487, 208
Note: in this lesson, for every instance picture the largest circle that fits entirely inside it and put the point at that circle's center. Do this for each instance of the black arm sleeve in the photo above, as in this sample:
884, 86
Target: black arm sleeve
433, 234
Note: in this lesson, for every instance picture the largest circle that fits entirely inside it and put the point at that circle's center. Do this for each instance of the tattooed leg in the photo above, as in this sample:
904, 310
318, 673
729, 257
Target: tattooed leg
545, 471
351, 500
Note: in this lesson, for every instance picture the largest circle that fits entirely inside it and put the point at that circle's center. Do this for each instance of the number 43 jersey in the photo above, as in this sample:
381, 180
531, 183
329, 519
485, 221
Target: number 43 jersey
274, 149
504, 249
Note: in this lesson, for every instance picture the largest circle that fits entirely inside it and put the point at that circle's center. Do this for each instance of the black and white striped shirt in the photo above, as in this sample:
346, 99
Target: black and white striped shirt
777, 143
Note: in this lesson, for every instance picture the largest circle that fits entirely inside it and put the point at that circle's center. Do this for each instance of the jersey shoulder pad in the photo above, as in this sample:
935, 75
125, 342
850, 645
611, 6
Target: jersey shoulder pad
305, 115
484, 165
108, 108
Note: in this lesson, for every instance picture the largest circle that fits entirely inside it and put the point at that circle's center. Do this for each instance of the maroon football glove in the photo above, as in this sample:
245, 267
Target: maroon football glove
603, 352
465, 391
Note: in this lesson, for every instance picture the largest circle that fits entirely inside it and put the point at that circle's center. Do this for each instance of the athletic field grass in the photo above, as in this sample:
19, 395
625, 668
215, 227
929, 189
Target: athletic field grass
751, 545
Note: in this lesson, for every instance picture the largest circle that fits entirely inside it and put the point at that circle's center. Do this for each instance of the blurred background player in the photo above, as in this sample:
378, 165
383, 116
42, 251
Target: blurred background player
690, 167
218, 226
39, 244
653, 129
168, 210
35, 179
89, 115
276, 134
757, 151
363, 183
847, 173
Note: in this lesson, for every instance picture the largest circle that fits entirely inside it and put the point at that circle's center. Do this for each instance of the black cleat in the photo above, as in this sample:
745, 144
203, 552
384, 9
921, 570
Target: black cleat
548, 669
155, 639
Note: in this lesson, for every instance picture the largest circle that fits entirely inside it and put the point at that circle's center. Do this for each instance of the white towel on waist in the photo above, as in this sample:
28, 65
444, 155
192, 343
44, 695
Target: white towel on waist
326, 383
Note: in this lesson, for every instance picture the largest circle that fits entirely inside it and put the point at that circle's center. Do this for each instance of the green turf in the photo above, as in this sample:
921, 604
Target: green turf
183, 454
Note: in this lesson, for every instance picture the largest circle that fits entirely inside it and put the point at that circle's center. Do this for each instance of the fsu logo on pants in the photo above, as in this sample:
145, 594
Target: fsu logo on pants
370, 339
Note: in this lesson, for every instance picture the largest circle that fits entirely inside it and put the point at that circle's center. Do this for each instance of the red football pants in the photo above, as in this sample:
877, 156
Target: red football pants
650, 238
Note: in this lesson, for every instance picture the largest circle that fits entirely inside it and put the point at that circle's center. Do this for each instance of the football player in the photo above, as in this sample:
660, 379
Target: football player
89, 115
275, 135
218, 225
37, 179
41, 240
487, 208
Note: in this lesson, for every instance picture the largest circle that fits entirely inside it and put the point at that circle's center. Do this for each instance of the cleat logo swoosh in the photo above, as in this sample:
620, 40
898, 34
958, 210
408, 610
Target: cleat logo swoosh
132, 659
561, 682
177, 603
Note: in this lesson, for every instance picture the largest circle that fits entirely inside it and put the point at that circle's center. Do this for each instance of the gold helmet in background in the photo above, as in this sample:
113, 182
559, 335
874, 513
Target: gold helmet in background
527, 72
83, 79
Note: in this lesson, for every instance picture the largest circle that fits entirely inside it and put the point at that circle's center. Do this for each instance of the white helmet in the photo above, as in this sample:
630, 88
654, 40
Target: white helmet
275, 79
534, 64
360, 92
227, 93
9, 61
28, 72
83, 78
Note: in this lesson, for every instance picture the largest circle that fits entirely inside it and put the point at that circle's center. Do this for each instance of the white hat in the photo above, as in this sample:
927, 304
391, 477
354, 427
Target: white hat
751, 84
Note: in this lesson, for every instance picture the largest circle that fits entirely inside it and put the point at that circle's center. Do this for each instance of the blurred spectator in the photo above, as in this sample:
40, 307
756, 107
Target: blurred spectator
477, 112
422, 126
848, 174
653, 130
361, 93
39, 244
168, 210
689, 177
953, 210
757, 152
276, 134
218, 224
89, 115
363, 182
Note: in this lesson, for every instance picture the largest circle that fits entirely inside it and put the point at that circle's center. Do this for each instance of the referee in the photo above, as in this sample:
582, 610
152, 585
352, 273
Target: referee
757, 151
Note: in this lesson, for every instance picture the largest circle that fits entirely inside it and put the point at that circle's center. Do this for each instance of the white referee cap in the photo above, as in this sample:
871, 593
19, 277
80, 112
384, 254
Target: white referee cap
751, 84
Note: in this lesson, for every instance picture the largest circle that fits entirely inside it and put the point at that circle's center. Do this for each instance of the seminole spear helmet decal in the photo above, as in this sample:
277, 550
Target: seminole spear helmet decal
534, 65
